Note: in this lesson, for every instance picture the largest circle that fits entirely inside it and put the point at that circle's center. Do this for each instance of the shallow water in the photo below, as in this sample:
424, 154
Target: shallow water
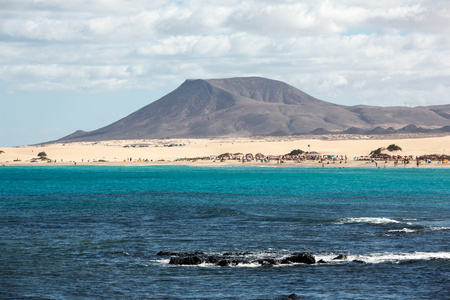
94, 232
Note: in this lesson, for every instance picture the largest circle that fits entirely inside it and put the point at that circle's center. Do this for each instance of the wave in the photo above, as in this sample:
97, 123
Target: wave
418, 229
377, 258
438, 228
403, 230
368, 220
387, 257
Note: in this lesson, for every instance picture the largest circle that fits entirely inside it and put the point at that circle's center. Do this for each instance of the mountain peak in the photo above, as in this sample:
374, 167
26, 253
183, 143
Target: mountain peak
262, 89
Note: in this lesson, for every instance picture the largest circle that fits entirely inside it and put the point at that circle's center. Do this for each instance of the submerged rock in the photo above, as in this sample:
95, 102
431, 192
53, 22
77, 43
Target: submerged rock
179, 254
359, 261
237, 253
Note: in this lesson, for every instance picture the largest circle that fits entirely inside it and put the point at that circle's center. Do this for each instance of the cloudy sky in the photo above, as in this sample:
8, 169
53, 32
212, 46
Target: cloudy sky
82, 64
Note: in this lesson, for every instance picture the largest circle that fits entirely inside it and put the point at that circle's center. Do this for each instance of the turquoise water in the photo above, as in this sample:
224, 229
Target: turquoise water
94, 232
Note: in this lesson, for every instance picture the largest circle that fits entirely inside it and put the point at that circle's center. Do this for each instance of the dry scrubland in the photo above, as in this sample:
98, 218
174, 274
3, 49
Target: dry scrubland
176, 151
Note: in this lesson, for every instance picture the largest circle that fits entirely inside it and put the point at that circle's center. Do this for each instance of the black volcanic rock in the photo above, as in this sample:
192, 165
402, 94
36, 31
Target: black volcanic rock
305, 258
233, 259
340, 257
254, 106
186, 261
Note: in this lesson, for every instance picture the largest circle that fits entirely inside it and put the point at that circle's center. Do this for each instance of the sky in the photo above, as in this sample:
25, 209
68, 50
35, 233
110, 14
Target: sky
83, 64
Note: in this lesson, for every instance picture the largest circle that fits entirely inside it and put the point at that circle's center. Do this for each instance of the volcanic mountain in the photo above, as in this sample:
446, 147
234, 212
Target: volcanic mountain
254, 106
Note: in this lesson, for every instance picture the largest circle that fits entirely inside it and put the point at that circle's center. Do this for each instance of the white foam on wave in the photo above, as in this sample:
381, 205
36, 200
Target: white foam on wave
329, 258
249, 265
405, 230
369, 220
163, 261
377, 258
438, 228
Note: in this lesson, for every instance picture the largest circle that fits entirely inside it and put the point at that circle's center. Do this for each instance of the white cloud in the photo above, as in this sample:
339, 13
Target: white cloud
348, 51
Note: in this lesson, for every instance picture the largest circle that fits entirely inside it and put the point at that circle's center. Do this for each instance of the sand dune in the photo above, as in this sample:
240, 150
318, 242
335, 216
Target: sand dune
146, 152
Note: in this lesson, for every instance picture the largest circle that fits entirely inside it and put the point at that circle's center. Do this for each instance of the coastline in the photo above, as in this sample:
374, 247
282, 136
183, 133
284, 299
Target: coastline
205, 152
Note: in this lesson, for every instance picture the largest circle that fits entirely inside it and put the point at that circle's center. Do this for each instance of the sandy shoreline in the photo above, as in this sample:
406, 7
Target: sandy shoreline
184, 151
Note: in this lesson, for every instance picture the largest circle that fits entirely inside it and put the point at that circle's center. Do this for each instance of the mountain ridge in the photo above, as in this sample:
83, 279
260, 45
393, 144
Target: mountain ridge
249, 106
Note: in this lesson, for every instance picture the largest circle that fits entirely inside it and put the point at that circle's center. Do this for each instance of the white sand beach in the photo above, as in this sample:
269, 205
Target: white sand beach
184, 151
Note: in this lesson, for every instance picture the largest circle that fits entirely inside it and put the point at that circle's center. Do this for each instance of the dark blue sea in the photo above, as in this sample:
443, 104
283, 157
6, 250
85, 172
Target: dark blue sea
94, 232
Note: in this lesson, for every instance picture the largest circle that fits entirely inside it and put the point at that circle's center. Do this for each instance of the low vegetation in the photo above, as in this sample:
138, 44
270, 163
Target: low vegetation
394, 147
42, 154
296, 152
227, 154
377, 151
1, 151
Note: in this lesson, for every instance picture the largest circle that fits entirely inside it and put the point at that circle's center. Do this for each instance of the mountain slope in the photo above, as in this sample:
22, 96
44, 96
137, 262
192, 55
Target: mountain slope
254, 106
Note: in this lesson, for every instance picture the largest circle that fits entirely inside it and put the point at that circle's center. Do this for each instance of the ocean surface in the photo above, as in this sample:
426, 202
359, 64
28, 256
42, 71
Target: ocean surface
94, 232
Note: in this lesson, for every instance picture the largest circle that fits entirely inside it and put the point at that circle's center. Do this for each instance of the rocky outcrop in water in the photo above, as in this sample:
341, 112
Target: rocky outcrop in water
340, 257
186, 261
234, 259
304, 258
